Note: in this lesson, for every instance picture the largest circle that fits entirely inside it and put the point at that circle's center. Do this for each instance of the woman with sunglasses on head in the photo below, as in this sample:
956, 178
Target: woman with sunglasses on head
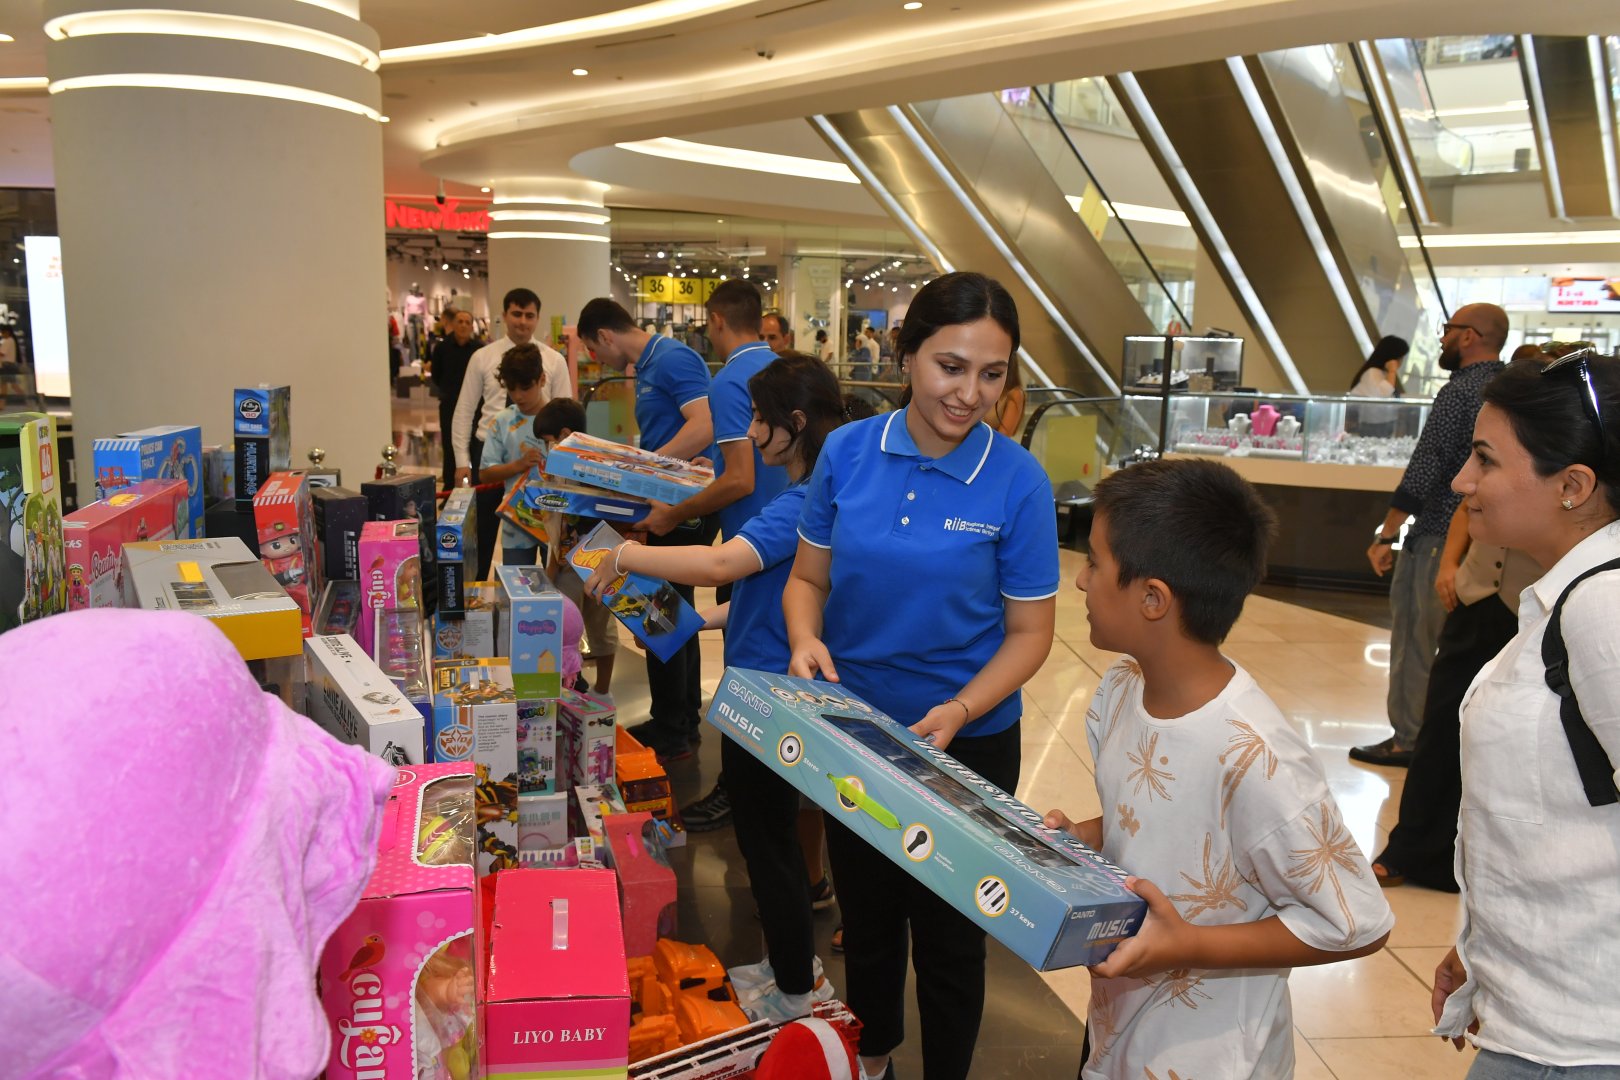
1539, 836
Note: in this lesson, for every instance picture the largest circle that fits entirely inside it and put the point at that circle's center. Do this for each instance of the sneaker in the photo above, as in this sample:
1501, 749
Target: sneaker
746, 978
1384, 753
711, 812
669, 746
770, 1003
821, 894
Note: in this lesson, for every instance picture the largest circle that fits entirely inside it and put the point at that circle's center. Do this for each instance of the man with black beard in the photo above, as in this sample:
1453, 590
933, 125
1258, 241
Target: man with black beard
1470, 347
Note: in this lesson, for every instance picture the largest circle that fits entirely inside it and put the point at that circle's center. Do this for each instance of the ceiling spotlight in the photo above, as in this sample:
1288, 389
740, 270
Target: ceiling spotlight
913, 284
5, 38
382, 119
912, 6
895, 289
484, 189
660, 254
478, 251
848, 283
581, 71
446, 266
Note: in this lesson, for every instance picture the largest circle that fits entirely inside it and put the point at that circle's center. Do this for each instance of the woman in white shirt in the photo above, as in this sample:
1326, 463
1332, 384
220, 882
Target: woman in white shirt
1532, 976
1379, 377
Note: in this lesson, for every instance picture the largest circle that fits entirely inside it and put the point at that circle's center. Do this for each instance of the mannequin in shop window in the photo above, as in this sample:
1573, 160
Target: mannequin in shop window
415, 319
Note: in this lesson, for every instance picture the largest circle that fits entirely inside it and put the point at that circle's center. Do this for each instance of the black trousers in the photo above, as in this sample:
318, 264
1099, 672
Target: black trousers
880, 902
677, 683
447, 415
765, 810
1423, 844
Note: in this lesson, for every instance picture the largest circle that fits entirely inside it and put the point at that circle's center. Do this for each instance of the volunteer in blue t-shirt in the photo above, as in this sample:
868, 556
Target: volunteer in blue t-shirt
672, 410
925, 582
796, 404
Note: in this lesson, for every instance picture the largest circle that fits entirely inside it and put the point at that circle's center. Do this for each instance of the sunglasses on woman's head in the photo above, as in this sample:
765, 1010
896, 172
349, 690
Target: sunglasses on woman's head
1579, 362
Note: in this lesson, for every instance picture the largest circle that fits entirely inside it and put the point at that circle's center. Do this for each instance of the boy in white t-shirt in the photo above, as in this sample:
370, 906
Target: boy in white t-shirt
1209, 795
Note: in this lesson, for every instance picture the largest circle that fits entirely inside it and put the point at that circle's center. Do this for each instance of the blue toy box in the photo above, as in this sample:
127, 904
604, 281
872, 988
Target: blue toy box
530, 631
159, 453
649, 608
545, 494
457, 544
1038, 891
261, 420
624, 469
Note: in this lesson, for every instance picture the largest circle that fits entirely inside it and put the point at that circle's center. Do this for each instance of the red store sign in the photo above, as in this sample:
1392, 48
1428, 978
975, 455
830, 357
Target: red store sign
447, 218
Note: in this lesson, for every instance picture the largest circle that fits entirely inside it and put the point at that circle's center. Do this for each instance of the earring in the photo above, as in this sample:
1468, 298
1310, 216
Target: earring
1567, 504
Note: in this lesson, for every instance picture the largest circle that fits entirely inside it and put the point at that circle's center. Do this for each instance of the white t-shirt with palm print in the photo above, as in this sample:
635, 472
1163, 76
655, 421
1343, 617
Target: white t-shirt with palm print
1229, 814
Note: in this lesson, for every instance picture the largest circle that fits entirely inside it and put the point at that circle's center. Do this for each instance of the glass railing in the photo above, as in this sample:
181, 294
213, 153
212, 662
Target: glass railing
1463, 104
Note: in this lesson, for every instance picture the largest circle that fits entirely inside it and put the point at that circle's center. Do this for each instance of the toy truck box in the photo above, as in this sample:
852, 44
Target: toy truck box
554, 996
585, 737
398, 980
33, 577
390, 572
220, 580
475, 718
261, 420
535, 496
340, 514
159, 453
410, 498
93, 537
531, 630
615, 467
351, 697
473, 634
285, 520
457, 550
650, 609
646, 881
1043, 894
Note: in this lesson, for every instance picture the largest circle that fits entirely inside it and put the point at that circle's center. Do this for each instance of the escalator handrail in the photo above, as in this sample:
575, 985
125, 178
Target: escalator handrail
1073, 397
588, 390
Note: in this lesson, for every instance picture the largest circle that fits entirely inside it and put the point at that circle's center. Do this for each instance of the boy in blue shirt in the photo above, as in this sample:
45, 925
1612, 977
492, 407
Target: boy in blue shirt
511, 447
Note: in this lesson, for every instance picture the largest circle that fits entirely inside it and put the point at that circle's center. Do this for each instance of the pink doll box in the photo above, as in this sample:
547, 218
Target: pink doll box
555, 993
398, 977
390, 573
94, 536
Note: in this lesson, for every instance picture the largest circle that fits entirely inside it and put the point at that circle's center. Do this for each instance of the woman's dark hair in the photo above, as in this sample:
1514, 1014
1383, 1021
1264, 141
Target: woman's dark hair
952, 300
1388, 348
795, 382
1552, 417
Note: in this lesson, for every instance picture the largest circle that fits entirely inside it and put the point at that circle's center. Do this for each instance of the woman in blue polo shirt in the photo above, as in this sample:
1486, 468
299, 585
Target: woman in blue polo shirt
925, 582
797, 404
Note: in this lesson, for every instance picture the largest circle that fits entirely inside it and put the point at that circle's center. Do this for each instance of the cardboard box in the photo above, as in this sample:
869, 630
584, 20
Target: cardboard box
613, 466
646, 881
93, 537
475, 718
542, 822
286, 522
231, 518
410, 498
401, 653
474, 634
340, 514
592, 803
261, 420
531, 623
537, 747
159, 453
457, 553
218, 479
339, 609
535, 497
398, 978
554, 998
220, 580
644, 784
33, 577
351, 697
1043, 894
585, 734
650, 609
390, 572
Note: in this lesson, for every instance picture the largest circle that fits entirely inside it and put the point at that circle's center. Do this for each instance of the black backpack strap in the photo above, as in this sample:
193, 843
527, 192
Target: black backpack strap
1594, 766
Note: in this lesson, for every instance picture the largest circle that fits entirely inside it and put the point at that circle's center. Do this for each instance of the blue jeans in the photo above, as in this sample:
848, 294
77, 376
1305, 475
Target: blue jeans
1493, 1066
1414, 633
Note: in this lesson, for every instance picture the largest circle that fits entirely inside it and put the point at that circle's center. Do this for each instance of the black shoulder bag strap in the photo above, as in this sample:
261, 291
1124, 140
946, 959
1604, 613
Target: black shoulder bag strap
1597, 771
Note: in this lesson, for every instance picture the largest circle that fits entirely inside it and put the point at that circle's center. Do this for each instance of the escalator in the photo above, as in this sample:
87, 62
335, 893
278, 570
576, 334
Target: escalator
1573, 88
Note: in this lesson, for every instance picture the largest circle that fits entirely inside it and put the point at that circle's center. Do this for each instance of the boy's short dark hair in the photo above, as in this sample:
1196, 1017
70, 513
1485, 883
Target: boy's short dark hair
520, 298
557, 414
603, 313
739, 303
520, 366
1195, 525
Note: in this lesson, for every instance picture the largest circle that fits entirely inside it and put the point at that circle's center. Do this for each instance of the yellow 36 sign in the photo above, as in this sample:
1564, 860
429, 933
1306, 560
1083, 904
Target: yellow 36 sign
669, 289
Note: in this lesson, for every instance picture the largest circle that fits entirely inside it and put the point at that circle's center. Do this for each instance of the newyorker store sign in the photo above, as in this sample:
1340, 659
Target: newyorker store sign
451, 217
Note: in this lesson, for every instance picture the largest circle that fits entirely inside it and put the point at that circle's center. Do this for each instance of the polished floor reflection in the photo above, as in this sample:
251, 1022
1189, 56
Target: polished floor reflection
1366, 1019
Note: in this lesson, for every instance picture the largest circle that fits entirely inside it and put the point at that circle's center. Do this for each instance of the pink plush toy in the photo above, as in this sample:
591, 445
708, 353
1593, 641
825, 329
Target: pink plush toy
178, 846
573, 629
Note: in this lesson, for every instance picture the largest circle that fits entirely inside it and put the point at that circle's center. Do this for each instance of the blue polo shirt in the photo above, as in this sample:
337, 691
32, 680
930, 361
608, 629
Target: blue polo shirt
733, 410
669, 376
924, 551
756, 630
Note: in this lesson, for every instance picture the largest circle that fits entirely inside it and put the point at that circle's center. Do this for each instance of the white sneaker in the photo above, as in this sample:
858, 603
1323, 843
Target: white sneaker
751, 977
781, 1008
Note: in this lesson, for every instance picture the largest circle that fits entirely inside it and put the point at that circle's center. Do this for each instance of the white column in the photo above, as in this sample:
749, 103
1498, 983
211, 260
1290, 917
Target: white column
813, 288
219, 192
549, 235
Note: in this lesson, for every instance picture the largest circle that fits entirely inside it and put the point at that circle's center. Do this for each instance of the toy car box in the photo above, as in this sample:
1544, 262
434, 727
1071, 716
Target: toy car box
351, 697
554, 997
33, 577
398, 977
554, 495
285, 520
390, 572
93, 537
1043, 894
473, 634
220, 580
261, 420
159, 453
475, 718
340, 514
457, 553
613, 466
585, 726
531, 617
650, 609
646, 881
410, 498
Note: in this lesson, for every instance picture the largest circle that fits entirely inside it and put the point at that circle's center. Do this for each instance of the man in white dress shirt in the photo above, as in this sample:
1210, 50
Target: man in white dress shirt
482, 395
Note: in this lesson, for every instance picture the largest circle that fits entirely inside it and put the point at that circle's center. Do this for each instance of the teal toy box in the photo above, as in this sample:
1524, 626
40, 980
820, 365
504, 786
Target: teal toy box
1038, 891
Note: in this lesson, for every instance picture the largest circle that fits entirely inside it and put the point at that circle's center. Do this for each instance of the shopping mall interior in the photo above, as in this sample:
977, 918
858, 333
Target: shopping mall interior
1208, 212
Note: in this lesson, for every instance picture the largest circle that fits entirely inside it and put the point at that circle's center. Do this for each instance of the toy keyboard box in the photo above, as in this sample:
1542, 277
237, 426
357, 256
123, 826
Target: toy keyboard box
531, 619
356, 702
475, 718
160, 453
93, 537
410, 498
221, 580
457, 550
650, 609
398, 979
1043, 894
285, 519
340, 514
595, 462
33, 578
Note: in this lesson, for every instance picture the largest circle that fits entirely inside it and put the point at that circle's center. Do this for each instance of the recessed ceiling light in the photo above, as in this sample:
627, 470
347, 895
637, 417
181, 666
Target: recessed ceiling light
660, 254
382, 119
485, 190
581, 71
5, 38
913, 6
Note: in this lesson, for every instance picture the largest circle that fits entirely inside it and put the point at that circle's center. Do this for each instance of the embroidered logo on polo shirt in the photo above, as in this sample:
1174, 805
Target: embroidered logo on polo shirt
964, 525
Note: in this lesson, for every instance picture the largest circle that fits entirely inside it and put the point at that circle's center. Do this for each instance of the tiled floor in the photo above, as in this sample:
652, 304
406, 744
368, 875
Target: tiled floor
1366, 1019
